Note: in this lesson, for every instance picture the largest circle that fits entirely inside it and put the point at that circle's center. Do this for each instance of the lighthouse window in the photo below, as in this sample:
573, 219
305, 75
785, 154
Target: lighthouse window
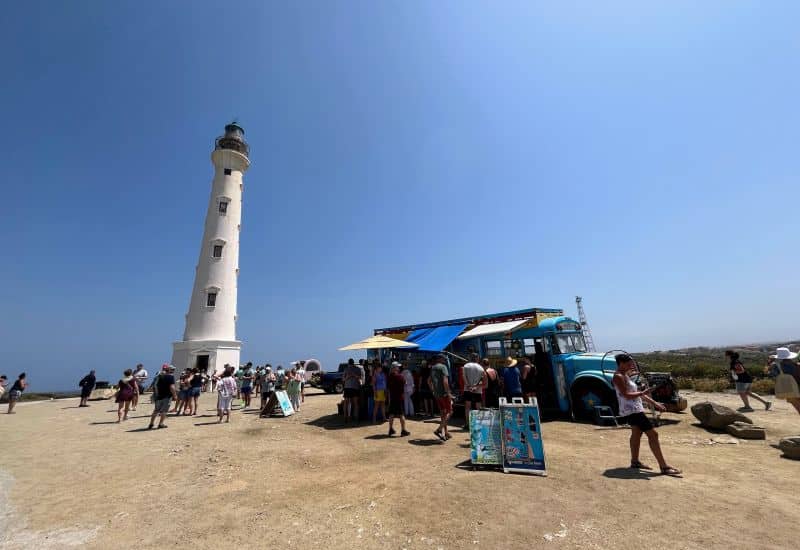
211, 299
223, 207
227, 171
217, 251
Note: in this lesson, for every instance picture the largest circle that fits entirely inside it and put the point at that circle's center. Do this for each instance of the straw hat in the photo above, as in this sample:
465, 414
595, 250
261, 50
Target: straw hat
511, 362
784, 353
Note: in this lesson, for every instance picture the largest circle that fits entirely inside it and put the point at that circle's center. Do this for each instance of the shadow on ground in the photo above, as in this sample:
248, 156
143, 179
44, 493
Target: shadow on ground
426, 442
628, 473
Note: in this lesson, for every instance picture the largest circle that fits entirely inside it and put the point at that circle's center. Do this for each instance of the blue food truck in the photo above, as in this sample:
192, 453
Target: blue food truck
569, 379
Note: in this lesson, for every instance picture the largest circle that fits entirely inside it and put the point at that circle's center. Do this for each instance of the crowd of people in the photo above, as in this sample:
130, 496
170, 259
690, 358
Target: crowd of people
378, 392
372, 393
182, 393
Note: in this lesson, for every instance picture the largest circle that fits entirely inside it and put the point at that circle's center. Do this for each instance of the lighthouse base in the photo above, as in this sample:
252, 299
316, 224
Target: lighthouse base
209, 355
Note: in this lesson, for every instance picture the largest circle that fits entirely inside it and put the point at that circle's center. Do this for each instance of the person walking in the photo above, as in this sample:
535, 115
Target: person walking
425, 394
512, 383
439, 383
293, 389
743, 382
126, 390
163, 392
474, 383
492, 384
379, 393
227, 389
301, 374
631, 410
196, 382
15, 393
87, 384
786, 364
140, 375
3, 383
247, 385
352, 378
397, 385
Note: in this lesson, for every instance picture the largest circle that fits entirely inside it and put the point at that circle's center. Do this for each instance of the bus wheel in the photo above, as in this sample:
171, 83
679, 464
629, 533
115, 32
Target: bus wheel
588, 395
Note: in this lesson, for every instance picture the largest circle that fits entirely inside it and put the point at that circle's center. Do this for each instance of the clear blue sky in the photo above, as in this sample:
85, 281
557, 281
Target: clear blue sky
411, 161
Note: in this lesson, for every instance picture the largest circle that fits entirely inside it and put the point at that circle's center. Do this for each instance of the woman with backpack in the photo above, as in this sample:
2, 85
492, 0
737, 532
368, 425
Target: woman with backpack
743, 382
127, 389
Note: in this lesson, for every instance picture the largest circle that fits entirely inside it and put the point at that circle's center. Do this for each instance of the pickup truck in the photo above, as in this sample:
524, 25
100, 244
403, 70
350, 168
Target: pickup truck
332, 382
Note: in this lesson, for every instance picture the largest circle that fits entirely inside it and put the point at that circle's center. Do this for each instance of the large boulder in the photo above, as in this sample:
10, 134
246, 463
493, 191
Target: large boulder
717, 417
790, 447
743, 430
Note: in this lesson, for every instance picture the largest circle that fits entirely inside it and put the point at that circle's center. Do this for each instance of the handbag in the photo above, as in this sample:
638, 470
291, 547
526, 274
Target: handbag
786, 385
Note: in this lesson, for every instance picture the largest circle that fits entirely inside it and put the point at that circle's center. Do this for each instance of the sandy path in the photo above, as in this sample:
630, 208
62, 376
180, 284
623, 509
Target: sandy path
70, 477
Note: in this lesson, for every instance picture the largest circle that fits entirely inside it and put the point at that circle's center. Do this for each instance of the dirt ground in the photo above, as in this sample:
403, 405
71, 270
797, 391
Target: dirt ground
71, 477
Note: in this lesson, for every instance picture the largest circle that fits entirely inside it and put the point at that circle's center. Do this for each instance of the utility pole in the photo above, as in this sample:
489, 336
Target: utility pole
587, 334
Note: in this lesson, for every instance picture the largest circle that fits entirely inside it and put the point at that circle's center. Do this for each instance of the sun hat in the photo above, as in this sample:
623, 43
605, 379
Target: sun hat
511, 362
784, 353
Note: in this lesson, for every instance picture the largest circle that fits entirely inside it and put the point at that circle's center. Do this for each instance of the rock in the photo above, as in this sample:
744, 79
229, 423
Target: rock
790, 447
714, 416
743, 430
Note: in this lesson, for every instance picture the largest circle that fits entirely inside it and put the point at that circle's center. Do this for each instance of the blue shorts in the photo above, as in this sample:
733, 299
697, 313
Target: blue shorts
194, 392
183, 394
247, 390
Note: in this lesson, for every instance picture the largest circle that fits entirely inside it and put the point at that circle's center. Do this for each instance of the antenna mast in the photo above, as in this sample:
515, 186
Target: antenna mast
587, 334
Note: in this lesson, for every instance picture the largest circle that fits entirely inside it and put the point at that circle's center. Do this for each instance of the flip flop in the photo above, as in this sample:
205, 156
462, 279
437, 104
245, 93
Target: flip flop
670, 471
637, 465
162, 426
438, 434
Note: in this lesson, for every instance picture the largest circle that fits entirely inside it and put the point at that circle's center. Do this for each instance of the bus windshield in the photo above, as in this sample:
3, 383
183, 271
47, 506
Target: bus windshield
569, 343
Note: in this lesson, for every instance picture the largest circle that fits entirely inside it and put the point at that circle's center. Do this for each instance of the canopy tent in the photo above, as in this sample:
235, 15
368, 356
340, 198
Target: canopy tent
435, 338
493, 328
379, 342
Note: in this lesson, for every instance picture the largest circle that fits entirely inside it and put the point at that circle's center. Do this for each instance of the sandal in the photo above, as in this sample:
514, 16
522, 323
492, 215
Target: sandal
438, 434
635, 464
670, 471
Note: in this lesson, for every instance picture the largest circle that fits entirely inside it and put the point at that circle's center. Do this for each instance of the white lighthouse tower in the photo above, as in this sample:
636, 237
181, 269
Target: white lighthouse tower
209, 340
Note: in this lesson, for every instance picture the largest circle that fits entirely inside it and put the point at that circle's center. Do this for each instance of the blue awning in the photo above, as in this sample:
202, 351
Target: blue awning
436, 338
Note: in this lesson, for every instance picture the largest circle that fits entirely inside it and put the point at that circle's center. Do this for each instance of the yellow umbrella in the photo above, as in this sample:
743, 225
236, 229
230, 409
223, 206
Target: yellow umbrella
379, 342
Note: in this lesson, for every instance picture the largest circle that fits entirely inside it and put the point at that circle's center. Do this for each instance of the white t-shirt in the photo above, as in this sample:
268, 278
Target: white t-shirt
140, 375
473, 374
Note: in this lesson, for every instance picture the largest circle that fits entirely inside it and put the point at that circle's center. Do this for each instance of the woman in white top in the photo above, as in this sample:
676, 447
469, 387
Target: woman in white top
226, 388
631, 410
